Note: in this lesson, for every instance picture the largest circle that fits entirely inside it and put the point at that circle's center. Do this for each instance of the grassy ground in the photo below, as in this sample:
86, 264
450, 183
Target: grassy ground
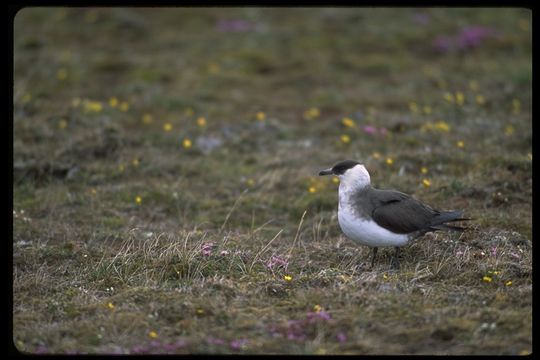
165, 188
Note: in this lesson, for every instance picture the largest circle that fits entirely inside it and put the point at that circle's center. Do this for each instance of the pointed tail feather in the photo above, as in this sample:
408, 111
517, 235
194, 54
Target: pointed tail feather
448, 216
448, 227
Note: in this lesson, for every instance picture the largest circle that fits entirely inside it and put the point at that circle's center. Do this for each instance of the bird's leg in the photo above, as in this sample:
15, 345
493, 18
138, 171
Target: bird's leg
395, 259
374, 256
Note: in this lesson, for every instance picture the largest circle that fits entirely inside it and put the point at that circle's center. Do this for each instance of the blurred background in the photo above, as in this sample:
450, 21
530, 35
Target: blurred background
167, 119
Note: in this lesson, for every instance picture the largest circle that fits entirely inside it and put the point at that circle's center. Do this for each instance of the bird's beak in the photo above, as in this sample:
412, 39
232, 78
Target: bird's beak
326, 172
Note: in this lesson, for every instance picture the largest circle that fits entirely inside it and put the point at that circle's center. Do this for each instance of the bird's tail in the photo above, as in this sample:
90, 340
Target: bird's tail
439, 222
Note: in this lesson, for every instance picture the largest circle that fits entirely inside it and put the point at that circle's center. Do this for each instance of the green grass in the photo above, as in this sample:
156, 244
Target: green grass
185, 270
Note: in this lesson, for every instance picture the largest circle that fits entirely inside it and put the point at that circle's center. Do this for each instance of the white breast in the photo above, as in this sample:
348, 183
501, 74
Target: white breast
367, 232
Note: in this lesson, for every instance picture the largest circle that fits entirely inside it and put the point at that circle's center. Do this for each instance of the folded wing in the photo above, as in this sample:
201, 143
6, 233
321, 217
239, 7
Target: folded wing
402, 214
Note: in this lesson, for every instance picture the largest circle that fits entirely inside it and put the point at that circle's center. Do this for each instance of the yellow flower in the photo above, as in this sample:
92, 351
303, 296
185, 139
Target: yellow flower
201, 121
135, 162
389, 161
385, 277
147, 119
124, 106
199, 311
427, 109
345, 139
413, 107
260, 116
516, 106
509, 130
460, 144
250, 182
287, 278
424, 170
473, 85
62, 124
480, 100
61, 74
487, 279
508, 283
92, 106
113, 102
317, 308
312, 189
186, 143
335, 180
153, 334
93, 191
460, 98
426, 183
442, 126
449, 97
376, 155
311, 113
138, 200
110, 305
167, 126
348, 122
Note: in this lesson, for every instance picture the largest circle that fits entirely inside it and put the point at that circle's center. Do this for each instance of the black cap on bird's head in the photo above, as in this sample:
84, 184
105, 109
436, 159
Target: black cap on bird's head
339, 168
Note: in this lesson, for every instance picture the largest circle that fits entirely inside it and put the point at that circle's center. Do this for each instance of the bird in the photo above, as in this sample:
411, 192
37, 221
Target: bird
382, 218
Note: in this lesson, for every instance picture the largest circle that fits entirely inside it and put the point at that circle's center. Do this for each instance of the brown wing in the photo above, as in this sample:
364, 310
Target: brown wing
400, 213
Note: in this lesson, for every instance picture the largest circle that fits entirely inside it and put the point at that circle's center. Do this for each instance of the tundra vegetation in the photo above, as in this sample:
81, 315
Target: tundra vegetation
165, 188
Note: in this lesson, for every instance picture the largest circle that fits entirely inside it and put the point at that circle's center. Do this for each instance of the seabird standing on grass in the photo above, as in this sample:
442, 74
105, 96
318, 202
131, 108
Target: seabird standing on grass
376, 218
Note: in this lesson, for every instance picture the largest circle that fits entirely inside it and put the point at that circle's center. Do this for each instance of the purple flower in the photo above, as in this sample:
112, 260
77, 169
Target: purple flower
277, 261
138, 349
238, 344
207, 248
472, 36
468, 38
369, 129
515, 255
235, 25
215, 341
41, 349
341, 337
421, 18
321, 315
493, 251
293, 335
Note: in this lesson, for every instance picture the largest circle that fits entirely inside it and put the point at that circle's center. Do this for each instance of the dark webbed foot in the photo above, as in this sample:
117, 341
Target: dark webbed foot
395, 259
374, 256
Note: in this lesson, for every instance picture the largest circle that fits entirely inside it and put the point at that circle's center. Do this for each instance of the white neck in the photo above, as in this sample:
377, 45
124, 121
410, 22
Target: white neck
354, 179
